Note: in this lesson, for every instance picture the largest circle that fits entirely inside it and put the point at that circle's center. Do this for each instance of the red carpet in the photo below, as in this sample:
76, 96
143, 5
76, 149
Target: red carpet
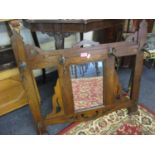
116, 123
87, 92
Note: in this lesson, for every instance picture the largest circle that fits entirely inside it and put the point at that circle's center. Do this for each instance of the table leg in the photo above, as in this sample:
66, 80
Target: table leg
153, 63
59, 40
81, 36
36, 42
132, 65
82, 67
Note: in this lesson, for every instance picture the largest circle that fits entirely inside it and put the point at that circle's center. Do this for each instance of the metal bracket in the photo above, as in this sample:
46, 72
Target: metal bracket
62, 60
22, 65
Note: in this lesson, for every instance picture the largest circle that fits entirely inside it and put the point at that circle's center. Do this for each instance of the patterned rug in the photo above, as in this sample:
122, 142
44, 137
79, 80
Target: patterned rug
116, 123
87, 92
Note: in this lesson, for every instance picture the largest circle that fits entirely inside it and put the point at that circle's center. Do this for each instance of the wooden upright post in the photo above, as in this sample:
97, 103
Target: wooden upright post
27, 80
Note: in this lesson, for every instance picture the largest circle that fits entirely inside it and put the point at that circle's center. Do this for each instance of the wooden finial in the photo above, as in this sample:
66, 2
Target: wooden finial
15, 25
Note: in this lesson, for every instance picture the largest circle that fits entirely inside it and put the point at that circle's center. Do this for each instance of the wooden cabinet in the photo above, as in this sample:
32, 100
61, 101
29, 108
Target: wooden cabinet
12, 93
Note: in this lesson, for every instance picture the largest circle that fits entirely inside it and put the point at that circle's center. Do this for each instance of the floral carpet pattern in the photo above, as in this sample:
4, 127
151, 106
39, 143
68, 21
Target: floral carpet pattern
87, 92
116, 123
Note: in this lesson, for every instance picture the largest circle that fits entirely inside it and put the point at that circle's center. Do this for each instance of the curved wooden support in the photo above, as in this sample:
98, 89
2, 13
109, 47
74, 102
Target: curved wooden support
117, 86
57, 99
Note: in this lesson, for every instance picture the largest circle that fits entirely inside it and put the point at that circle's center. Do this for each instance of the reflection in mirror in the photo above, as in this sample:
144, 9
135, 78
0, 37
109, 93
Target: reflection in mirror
87, 84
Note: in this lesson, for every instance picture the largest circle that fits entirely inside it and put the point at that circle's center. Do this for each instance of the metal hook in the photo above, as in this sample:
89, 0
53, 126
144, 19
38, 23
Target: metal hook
111, 51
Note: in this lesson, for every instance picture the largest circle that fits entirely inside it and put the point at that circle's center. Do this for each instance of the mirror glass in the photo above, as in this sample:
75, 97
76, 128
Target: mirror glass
87, 84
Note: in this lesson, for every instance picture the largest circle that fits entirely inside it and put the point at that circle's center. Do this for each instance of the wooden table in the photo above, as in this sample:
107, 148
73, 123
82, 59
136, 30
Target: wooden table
62, 28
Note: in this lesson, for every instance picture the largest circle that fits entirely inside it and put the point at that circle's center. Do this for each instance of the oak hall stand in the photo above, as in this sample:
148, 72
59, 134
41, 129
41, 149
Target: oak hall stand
113, 99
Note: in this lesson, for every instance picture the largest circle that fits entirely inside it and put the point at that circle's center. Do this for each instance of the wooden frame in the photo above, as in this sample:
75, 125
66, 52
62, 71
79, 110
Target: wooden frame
63, 59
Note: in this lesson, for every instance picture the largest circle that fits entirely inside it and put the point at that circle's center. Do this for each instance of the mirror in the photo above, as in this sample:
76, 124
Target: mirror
87, 84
